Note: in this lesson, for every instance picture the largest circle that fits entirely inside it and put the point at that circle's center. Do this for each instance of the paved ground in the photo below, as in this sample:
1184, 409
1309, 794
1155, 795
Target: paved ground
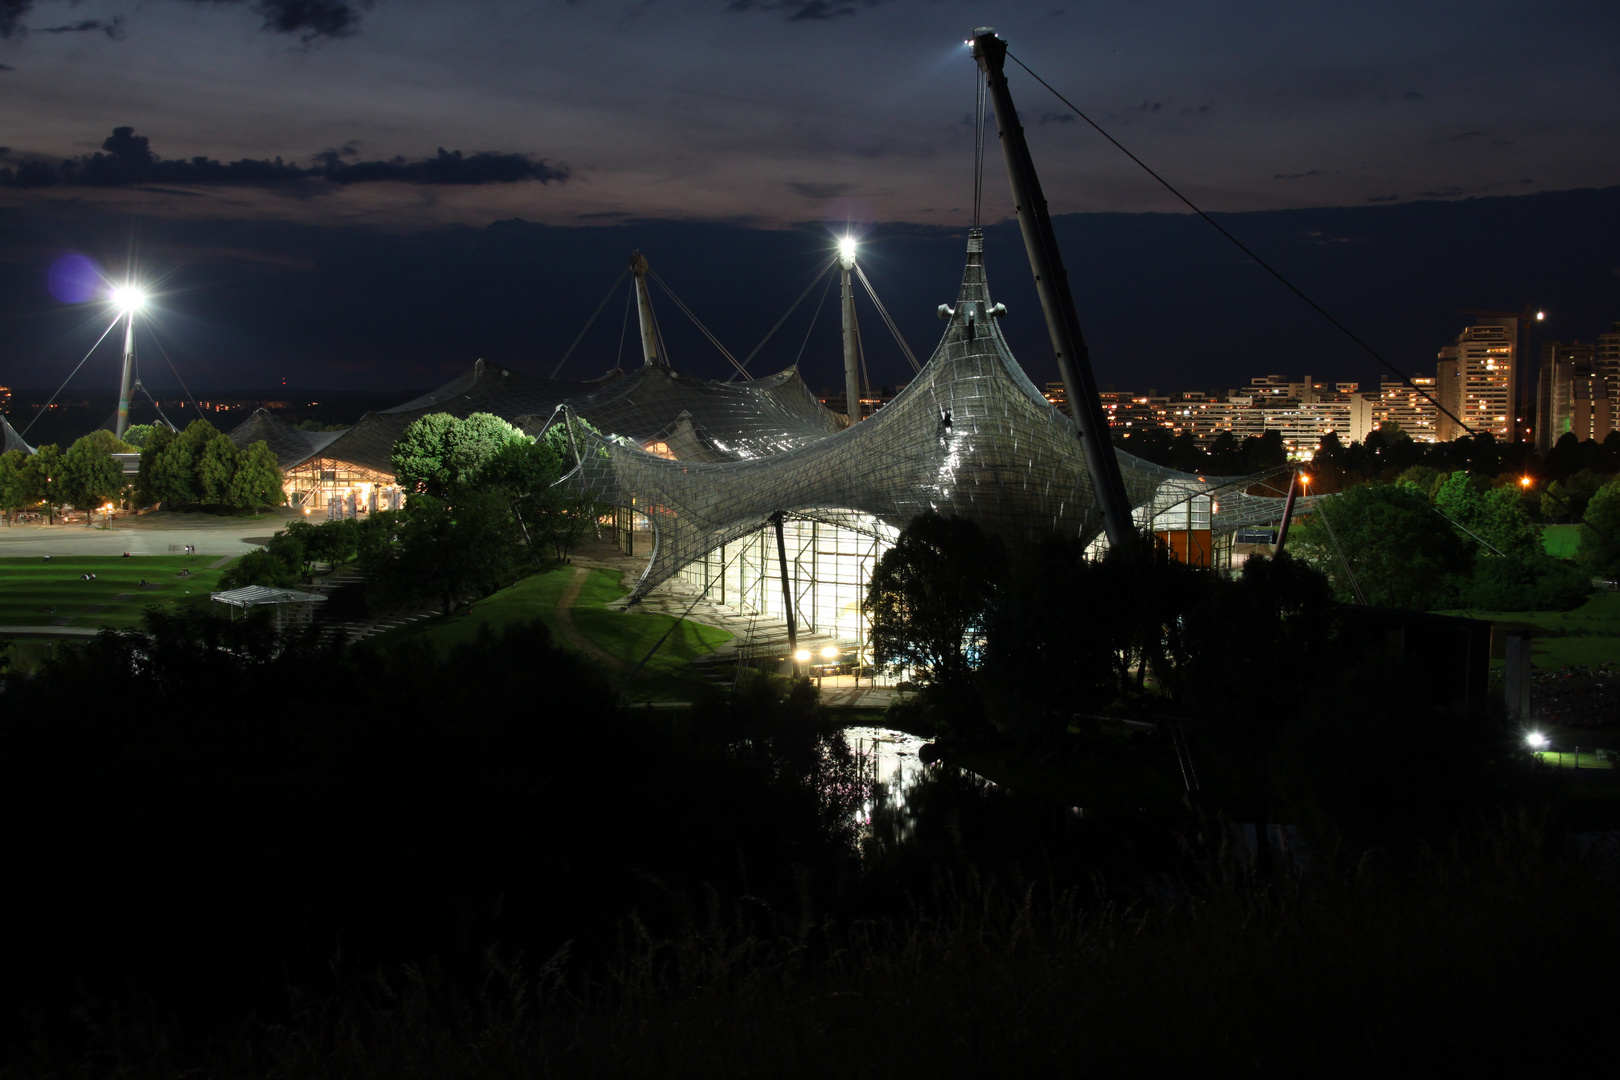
146, 534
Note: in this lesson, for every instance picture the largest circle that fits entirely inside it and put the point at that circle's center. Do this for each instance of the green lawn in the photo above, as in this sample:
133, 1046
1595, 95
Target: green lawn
1567, 760
626, 636
115, 598
1559, 541
1581, 638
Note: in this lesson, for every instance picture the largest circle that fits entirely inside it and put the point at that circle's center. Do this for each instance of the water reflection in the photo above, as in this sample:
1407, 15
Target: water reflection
893, 770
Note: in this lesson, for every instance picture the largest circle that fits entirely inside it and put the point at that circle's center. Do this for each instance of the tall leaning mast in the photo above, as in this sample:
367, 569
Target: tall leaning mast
1052, 283
852, 333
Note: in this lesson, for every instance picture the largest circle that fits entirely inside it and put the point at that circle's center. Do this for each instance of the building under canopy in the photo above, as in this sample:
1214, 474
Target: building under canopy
702, 469
970, 437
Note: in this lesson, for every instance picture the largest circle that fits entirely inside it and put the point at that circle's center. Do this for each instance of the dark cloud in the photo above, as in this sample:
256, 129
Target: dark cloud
113, 29
1301, 175
1056, 118
803, 10
1441, 193
7, 67
130, 162
308, 20
820, 191
1383, 198
1414, 95
1459, 138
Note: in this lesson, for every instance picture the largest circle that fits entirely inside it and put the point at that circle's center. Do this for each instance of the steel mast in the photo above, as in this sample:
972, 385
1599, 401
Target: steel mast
650, 354
1051, 281
852, 334
126, 386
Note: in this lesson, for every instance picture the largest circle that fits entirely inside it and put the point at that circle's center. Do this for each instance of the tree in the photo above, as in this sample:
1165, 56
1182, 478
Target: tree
89, 475
14, 494
258, 567
446, 552
173, 478
258, 480
1493, 517
136, 436
929, 598
442, 456
147, 476
216, 470
1566, 499
1266, 452
1401, 553
1599, 545
42, 479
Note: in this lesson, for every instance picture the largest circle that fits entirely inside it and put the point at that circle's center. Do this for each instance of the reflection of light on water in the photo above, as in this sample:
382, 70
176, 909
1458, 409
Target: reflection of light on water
891, 763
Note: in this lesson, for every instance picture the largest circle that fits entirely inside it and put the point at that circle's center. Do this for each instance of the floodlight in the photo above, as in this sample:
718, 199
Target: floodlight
1536, 740
1541, 316
1526, 481
830, 652
846, 248
129, 298
802, 655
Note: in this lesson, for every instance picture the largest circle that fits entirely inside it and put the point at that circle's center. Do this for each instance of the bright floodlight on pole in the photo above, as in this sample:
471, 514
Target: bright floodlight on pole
846, 249
129, 299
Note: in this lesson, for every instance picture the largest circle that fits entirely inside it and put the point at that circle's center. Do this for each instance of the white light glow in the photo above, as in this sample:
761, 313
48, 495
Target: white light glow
1536, 740
128, 298
846, 248
802, 655
829, 652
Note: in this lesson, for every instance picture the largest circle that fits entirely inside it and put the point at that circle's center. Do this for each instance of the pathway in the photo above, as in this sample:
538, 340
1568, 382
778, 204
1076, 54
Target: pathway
570, 633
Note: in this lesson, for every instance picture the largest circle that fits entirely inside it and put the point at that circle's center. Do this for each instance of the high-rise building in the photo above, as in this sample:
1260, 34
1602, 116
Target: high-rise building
1606, 360
1475, 379
1410, 407
1570, 397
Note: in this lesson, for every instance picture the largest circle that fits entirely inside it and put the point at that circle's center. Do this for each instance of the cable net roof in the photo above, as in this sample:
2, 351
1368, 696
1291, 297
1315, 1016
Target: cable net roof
971, 437
709, 420
290, 445
10, 440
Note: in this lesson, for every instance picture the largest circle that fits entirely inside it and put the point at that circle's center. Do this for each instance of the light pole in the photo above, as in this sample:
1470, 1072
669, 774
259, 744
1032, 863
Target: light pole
129, 299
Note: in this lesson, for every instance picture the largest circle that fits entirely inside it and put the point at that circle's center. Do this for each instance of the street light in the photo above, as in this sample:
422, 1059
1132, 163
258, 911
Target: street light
1536, 740
846, 249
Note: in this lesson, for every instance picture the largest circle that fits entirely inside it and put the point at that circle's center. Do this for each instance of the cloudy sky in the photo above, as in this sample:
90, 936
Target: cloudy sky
397, 118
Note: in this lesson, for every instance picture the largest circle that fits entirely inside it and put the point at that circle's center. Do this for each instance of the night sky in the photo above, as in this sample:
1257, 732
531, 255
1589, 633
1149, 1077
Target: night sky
348, 194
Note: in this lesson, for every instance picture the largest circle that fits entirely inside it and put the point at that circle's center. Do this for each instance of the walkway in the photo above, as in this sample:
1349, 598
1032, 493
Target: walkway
570, 633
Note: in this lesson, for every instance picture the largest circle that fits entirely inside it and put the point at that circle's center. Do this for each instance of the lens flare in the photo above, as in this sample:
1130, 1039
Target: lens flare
73, 279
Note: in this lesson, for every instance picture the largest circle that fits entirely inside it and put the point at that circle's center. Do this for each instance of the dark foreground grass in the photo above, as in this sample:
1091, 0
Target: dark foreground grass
626, 636
1362, 968
115, 598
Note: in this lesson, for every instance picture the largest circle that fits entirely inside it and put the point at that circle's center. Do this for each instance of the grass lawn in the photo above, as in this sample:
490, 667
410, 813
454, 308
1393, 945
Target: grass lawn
1567, 760
1581, 638
1559, 541
626, 636
115, 598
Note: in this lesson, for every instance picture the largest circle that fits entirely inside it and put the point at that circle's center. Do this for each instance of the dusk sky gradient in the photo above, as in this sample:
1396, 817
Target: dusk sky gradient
752, 130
